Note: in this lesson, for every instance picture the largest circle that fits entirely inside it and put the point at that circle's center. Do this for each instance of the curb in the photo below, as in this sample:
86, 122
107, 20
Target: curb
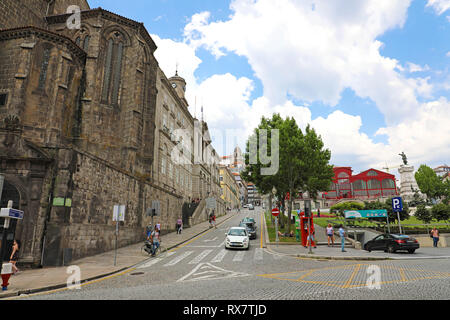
60, 286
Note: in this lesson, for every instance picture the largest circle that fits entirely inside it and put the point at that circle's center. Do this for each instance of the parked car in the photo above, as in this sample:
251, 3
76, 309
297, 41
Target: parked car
245, 206
392, 243
251, 207
237, 237
251, 228
248, 219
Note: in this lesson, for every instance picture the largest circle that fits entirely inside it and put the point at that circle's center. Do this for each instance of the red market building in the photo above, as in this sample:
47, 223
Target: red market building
369, 184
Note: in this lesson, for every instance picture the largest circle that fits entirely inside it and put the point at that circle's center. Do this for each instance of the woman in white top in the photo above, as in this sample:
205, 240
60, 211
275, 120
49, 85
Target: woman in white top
330, 234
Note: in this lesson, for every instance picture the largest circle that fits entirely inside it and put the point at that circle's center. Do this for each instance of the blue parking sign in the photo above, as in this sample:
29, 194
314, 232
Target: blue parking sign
397, 204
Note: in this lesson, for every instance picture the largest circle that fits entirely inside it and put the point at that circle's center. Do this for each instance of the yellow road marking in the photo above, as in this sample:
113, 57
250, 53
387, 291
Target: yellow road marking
355, 271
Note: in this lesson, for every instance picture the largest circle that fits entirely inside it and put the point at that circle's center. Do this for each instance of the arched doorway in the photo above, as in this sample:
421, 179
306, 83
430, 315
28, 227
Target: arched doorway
9, 193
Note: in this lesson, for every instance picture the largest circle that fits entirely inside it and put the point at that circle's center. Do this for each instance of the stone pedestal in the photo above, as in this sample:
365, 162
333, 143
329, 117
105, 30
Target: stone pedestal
408, 183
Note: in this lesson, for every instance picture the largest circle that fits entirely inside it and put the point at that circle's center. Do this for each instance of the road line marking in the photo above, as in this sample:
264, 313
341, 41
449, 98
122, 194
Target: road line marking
239, 256
219, 257
258, 254
355, 271
178, 259
200, 257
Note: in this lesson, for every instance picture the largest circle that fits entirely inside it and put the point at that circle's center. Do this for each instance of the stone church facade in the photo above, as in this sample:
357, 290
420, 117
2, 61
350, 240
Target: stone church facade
81, 129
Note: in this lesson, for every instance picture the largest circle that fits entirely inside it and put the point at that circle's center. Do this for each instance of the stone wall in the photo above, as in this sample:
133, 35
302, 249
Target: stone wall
87, 228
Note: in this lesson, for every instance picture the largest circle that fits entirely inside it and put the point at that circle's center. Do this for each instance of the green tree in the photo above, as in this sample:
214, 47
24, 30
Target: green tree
429, 183
423, 214
441, 211
303, 162
348, 205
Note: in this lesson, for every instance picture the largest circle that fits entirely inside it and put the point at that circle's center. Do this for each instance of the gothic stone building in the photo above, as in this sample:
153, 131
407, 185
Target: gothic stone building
78, 115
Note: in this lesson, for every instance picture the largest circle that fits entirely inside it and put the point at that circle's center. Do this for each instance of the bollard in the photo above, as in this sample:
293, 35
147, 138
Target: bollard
6, 274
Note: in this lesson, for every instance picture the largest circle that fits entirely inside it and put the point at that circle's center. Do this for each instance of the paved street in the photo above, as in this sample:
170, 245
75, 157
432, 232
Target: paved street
203, 270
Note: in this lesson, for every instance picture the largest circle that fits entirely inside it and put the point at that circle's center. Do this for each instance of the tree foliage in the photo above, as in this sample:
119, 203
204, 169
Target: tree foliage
348, 205
423, 214
303, 161
429, 182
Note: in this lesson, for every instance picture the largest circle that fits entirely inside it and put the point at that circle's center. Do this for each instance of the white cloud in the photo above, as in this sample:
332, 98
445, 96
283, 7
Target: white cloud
448, 54
412, 67
439, 6
313, 55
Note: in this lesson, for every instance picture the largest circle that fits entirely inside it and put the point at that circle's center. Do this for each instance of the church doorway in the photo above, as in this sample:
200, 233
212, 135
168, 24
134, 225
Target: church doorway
9, 193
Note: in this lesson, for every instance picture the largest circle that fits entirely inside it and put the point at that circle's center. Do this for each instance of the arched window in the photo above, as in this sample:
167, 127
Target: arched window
372, 173
113, 69
342, 175
44, 68
86, 43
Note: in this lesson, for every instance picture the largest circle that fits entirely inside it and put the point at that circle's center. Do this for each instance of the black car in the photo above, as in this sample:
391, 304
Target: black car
392, 242
251, 228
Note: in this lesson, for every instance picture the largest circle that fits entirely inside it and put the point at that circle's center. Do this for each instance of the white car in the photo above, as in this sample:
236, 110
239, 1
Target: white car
237, 237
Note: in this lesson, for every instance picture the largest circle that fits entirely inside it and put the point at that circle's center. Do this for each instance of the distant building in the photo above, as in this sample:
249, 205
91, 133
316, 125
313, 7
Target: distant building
253, 196
367, 185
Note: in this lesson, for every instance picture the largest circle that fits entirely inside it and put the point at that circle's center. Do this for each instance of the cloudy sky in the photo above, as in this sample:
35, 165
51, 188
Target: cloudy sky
371, 76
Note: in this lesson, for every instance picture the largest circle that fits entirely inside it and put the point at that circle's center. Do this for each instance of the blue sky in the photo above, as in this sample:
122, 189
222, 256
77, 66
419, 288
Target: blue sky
414, 60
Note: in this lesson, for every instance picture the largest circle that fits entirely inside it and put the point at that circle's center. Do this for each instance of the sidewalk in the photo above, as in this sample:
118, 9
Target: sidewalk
334, 253
98, 266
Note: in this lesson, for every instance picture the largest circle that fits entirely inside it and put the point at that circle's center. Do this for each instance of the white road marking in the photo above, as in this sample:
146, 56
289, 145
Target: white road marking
209, 240
200, 257
155, 261
205, 271
239, 256
258, 254
178, 259
220, 256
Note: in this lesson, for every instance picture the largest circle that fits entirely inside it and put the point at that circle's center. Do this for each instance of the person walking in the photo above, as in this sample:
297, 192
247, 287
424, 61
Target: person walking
310, 240
435, 235
342, 235
330, 234
318, 212
155, 239
15, 255
214, 219
179, 225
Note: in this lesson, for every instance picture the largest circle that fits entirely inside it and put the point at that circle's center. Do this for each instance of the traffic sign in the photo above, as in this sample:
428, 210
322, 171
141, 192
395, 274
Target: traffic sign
11, 213
275, 212
397, 204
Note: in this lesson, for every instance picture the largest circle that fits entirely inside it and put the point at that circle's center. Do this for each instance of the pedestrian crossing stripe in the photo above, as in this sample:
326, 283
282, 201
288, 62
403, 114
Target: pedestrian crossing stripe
200, 256
179, 258
219, 257
239, 256
208, 271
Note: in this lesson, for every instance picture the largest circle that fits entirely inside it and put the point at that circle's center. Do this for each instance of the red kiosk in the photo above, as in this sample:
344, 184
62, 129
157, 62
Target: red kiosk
304, 227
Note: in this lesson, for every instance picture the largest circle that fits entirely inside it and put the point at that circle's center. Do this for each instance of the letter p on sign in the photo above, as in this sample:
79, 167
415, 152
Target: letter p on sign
397, 204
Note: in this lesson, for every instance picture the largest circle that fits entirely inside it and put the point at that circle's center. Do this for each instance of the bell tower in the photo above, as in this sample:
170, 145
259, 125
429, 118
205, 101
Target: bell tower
178, 84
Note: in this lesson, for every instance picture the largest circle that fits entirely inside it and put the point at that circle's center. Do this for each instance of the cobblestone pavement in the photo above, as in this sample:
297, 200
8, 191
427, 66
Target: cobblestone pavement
204, 270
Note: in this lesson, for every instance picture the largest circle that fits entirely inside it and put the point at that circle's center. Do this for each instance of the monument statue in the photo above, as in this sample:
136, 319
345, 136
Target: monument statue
405, 160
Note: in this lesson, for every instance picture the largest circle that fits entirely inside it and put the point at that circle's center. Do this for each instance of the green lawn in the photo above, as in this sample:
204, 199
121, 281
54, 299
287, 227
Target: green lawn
271, 230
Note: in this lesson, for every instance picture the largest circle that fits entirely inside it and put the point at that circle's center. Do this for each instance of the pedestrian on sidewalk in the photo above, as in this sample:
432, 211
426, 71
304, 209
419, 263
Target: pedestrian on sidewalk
214, 219
330, 234
435, 235
15, 255
318, 212
179, 225
310, 240
342, 235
